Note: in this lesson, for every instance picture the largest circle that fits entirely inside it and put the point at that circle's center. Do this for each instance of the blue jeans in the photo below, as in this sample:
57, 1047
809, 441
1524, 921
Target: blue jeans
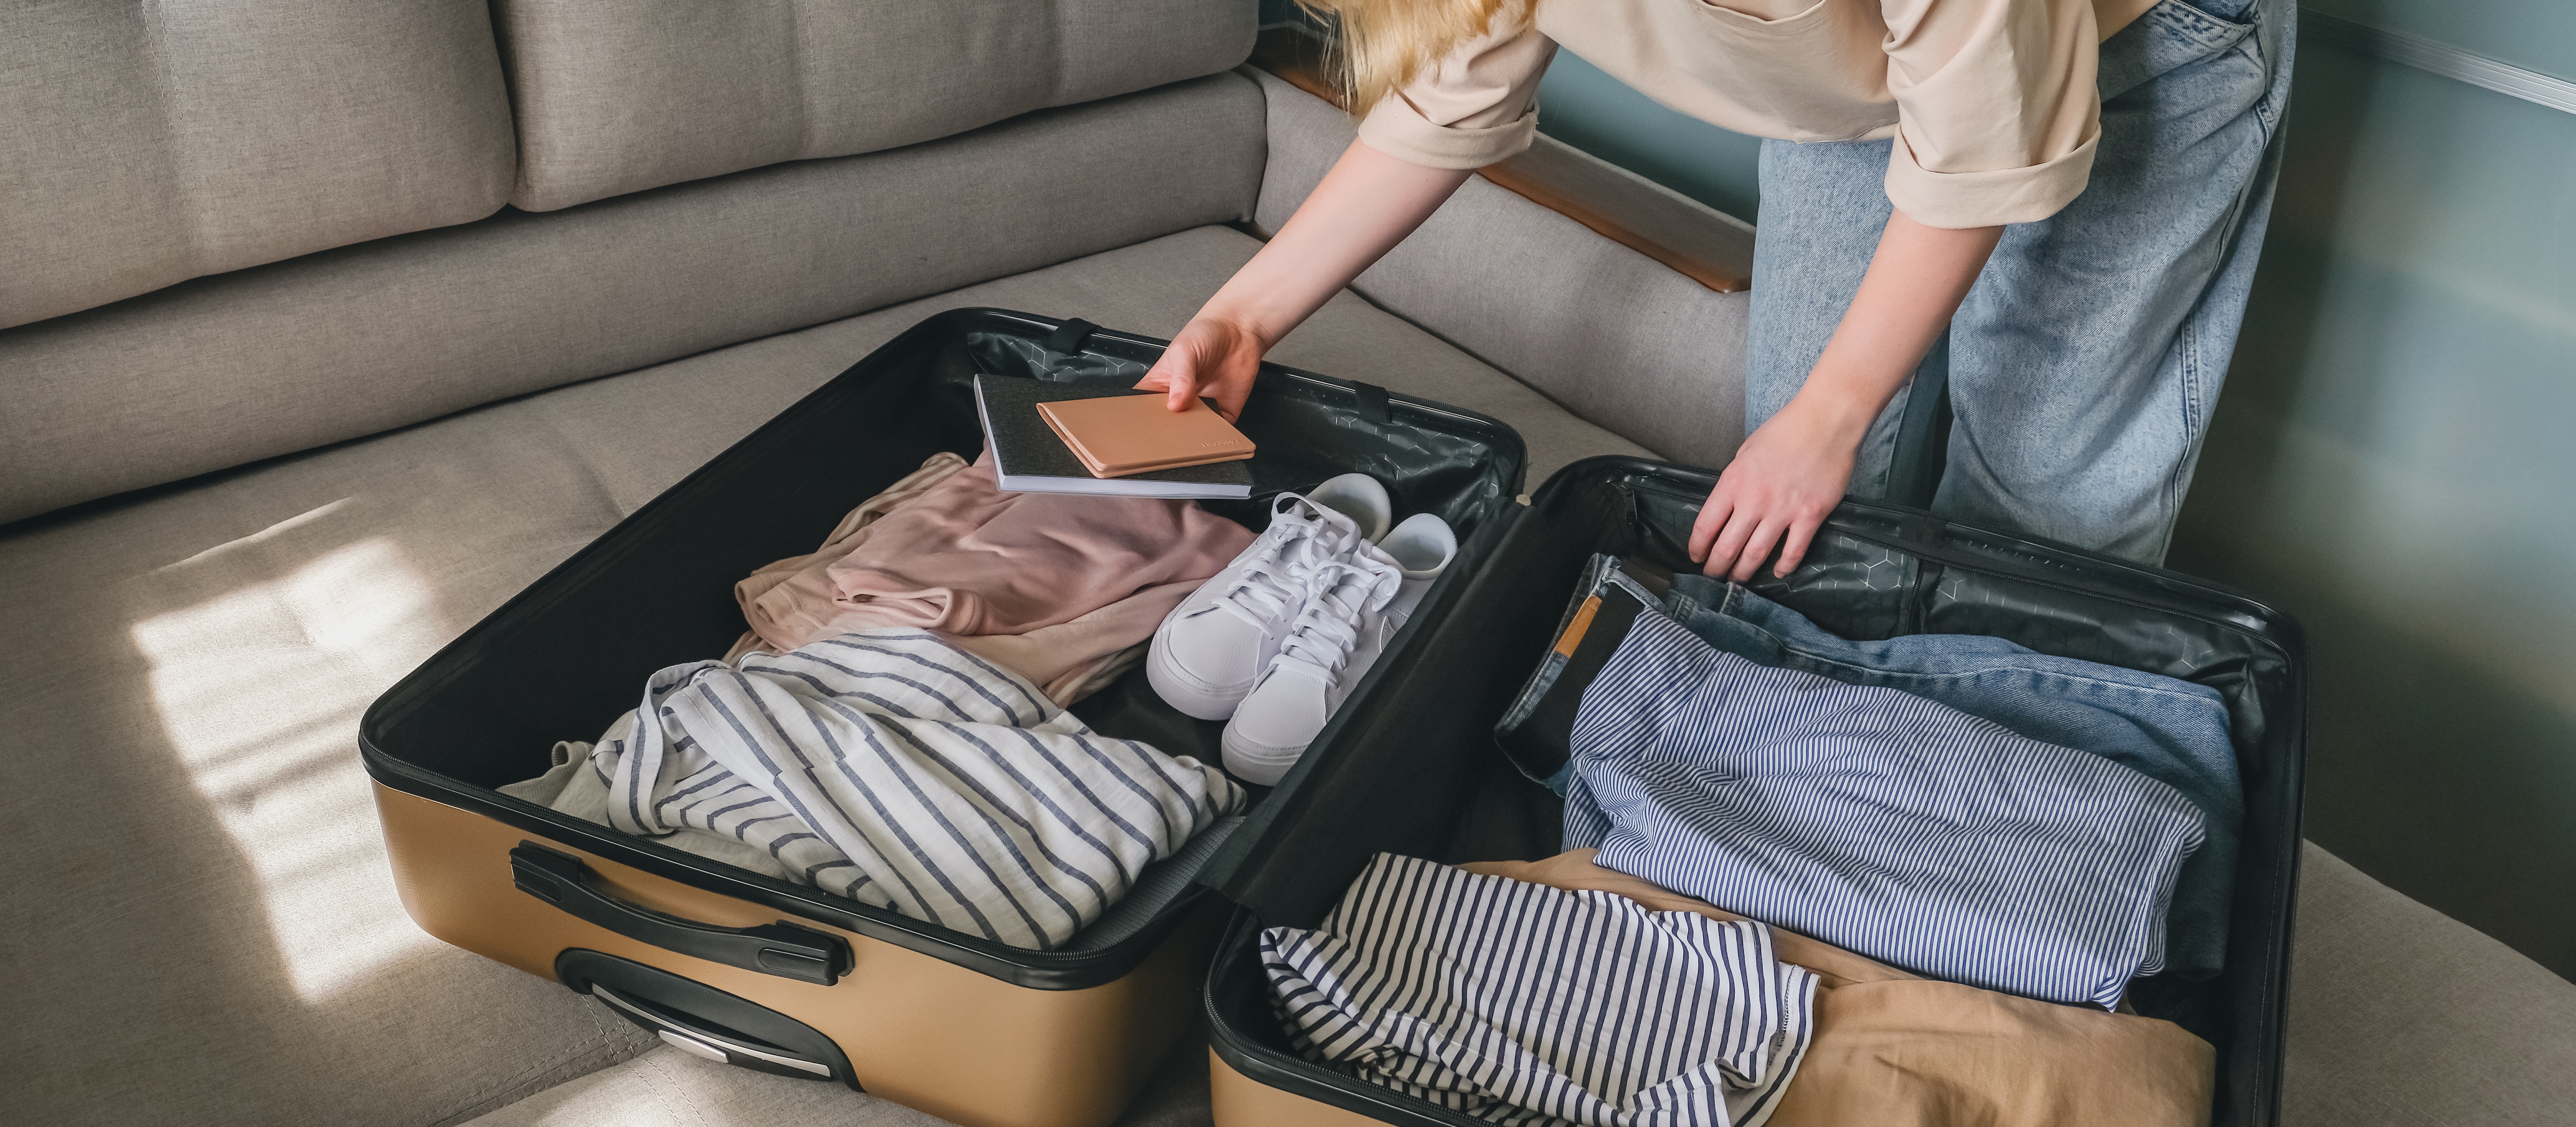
2086, 359
2174, 732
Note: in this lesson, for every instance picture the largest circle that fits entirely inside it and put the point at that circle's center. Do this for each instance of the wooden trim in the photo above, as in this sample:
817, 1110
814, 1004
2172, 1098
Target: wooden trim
1297, 57
1703, 245
1700, 243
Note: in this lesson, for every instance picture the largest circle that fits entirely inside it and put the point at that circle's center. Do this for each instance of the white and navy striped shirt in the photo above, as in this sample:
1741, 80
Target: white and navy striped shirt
1875, 820
1524, 1004
891, 768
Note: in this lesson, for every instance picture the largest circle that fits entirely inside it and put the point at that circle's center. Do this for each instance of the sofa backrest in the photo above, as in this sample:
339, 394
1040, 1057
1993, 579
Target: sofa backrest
146, 144
298, 151
617, 98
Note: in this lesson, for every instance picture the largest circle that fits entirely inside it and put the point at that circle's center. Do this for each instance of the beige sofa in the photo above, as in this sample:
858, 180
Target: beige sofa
326, 325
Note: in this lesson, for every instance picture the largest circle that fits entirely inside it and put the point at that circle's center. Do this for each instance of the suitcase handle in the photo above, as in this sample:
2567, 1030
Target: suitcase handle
782, 948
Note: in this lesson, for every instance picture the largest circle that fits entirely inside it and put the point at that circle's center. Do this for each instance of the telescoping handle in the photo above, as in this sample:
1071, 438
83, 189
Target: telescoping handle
782, 948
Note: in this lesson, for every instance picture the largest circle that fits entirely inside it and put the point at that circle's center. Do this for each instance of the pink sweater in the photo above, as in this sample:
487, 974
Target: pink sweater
1070, 578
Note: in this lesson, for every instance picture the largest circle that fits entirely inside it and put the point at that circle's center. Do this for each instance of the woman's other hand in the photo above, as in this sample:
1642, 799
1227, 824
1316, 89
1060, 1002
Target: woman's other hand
1212, 358
1784, 479
1794, 468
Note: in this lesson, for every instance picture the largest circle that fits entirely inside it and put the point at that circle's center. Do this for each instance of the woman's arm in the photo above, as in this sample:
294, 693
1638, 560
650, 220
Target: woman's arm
1793, 469
1368, 203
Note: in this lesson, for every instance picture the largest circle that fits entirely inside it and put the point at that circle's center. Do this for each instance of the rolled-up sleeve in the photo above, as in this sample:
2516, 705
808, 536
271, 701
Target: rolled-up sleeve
1996, 106
1477, 105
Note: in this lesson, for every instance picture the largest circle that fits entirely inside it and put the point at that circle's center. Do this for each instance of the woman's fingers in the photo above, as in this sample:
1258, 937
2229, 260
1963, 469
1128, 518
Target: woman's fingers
1171, 374
1793, 550
1207, 360
1784, 480
1734, 534
1712, 520
1230, 389
1757, 548
1740, 526
1183, 368
1184, 388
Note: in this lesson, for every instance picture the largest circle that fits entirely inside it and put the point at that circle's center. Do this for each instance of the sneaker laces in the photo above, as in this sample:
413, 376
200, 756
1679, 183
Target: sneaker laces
1303, 536
1340, 596
1261, 593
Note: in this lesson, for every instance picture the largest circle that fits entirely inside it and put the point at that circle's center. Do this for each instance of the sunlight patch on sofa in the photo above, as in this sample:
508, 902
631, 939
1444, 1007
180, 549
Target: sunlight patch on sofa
260, 689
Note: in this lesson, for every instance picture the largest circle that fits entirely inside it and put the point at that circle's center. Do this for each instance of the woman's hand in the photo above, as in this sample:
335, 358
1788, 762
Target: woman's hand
1783, 481
1214, 358
1368, 202
1793, 469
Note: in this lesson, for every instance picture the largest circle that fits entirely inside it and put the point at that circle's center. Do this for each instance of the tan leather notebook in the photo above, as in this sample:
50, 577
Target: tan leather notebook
1132, 434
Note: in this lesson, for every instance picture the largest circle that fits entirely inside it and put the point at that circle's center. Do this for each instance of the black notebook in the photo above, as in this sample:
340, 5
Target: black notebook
1030, 458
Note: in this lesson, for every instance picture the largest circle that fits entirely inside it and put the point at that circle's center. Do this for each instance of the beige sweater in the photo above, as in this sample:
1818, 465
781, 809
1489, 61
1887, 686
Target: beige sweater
1894, 1050
1991, 102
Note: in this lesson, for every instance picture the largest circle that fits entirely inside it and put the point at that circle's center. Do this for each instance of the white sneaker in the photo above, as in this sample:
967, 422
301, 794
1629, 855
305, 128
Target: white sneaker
1351, 612
1359, 497
1209, 650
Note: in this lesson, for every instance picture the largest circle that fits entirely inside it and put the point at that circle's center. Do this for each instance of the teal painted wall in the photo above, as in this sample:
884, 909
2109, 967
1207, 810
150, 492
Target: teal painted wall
2394, 459
1586, 108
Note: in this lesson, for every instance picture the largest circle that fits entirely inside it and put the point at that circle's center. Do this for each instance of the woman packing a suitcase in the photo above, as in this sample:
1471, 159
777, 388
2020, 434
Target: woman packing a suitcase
2074, 189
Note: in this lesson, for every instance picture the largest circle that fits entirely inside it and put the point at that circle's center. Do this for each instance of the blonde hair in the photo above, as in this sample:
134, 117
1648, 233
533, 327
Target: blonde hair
1384, 44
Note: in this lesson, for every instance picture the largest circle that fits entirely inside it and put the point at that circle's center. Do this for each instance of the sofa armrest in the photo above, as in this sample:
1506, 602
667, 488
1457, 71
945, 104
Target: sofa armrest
1613, 335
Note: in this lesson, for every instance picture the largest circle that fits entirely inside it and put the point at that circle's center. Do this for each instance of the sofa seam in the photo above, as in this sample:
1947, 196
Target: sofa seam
670, 1085
517, 1078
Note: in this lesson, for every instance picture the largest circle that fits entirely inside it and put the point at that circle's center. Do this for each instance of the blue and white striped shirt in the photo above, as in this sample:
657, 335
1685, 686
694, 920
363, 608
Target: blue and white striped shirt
1523, 1004
891, 768
1875, 820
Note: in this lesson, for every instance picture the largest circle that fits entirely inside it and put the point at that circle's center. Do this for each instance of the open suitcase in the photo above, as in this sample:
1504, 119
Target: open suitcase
1423, 776
783, 977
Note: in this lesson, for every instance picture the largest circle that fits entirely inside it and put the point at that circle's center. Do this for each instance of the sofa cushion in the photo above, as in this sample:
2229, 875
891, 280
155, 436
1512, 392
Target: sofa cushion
198, 921
616, 98
221, 371
145, 144
2401, 1016
668, 1088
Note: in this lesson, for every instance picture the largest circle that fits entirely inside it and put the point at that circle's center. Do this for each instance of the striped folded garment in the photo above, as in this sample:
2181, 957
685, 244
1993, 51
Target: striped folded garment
894, 769
1518, 1003
1875, 820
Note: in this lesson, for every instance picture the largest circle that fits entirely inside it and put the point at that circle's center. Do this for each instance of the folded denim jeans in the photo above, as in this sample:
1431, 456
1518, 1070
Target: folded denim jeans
2172, 731
1875, 819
